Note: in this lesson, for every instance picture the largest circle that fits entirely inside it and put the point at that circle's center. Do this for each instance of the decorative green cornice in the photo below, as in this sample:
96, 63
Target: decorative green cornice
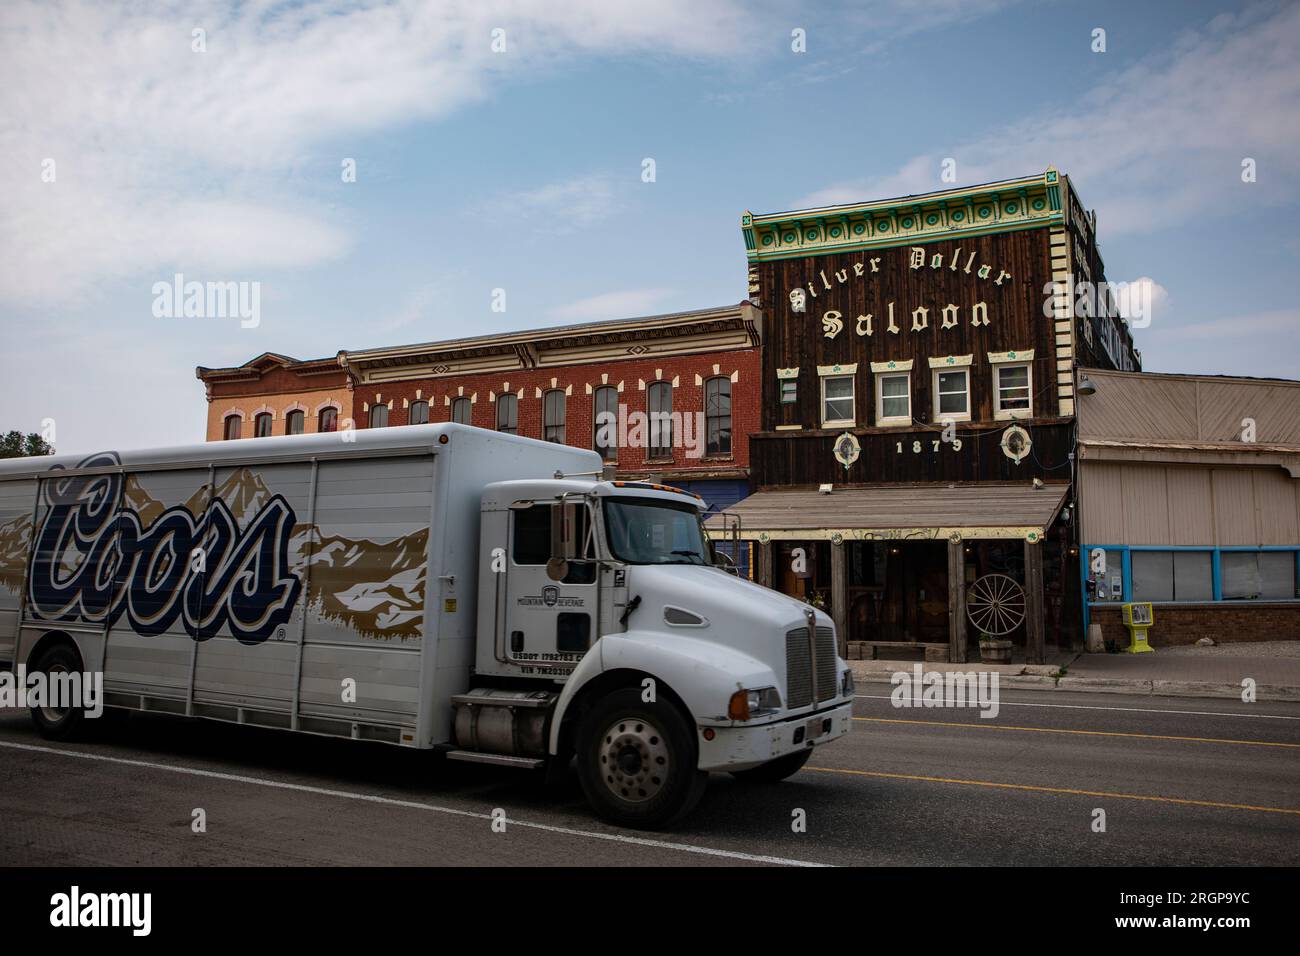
950, 214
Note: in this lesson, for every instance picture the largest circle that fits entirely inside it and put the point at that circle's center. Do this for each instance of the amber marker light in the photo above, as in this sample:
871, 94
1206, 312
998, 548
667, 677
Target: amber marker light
738, 708
709, 733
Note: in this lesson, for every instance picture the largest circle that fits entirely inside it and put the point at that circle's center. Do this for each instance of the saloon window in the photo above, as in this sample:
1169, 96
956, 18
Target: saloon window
952, 394
379, 416
893, 399
233, 425
461, 411
508, 414
329, 420
717, 416
262, 425
837, 400
419, 413
1011, 391
553, 416
605, 422
295, 423
659, 403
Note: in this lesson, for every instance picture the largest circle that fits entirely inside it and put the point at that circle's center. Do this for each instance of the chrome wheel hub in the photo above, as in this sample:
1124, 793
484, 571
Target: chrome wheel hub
633, 759
53, 714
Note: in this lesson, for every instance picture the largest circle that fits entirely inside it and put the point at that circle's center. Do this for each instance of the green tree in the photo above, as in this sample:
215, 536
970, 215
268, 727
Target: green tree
15, 445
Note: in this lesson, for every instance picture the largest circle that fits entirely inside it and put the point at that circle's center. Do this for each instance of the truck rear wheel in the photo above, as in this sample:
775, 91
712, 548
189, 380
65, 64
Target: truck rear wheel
58, 723
775, 770
638, 761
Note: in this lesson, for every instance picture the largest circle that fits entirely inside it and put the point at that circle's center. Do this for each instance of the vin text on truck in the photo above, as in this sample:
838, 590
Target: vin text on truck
395, 588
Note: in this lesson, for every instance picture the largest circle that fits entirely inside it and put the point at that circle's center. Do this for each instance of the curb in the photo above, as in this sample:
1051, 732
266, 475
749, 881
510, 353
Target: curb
1103, 685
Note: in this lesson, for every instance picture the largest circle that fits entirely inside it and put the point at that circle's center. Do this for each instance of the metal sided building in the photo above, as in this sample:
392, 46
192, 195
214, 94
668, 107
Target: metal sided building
1189, 497
912, 467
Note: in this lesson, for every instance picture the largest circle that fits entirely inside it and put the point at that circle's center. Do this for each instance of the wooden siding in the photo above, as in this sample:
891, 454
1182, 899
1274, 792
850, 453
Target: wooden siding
1016, 320
1148, 407
1153, 504
807, 457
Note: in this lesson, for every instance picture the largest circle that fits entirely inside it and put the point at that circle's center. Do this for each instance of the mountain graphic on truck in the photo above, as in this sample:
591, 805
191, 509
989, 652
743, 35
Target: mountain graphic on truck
258, 556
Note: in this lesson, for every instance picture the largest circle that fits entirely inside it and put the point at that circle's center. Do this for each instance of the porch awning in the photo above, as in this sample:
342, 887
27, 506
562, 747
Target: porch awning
898, 512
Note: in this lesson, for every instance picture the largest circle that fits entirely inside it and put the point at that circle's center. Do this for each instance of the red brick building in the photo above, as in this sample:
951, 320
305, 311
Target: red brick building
694, 373
274, 394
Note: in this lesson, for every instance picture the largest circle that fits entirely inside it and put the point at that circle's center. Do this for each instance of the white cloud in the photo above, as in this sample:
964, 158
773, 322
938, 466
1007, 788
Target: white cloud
1157, 143
561, 207
611, 305
157, 147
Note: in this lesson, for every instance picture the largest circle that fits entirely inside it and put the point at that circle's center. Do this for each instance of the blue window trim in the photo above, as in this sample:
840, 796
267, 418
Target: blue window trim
1216, 571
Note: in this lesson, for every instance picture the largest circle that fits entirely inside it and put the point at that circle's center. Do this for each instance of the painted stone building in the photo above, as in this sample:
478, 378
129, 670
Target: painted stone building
1189, 497
696, 372
274, 394
913, 461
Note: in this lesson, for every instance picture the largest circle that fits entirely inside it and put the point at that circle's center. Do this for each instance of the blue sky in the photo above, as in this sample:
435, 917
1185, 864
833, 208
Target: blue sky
521, 170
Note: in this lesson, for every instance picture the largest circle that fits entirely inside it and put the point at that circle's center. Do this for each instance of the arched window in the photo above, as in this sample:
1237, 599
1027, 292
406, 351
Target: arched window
419, 413
262, 425
461, 410
659, 404
717, 416
233, 424
328, 420
605, 422
295, 423
378, 416
553, 416
508, 414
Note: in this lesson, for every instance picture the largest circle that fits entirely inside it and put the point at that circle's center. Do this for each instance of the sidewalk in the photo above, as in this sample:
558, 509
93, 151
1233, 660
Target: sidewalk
1168, 672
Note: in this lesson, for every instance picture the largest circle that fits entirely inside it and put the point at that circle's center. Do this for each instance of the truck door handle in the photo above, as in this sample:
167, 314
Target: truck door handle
516, 641
628, 608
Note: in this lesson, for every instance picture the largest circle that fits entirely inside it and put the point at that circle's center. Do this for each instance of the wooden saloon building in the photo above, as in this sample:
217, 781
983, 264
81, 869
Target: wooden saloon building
912, 471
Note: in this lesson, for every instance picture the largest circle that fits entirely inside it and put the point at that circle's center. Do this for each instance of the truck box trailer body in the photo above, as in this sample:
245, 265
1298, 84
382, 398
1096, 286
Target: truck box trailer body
433, 586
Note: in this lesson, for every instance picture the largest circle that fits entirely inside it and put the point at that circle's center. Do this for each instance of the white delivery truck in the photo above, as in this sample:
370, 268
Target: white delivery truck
431, 586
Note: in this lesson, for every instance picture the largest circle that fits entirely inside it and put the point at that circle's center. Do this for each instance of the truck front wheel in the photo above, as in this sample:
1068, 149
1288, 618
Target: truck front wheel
638, 761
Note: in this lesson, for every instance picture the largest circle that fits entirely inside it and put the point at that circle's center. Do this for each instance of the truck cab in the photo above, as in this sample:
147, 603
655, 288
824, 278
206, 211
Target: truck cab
608, 629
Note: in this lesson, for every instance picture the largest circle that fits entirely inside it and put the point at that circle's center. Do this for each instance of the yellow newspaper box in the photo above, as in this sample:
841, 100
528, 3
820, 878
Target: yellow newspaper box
1138, 618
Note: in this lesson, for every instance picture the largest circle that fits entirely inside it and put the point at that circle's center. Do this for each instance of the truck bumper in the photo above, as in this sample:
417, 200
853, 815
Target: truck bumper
743, 746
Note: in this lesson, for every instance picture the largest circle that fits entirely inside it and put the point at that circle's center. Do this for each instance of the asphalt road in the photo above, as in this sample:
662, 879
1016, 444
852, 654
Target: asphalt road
1181, 781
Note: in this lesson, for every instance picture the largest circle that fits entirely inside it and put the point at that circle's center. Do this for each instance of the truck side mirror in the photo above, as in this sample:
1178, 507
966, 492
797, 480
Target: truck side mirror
564, 523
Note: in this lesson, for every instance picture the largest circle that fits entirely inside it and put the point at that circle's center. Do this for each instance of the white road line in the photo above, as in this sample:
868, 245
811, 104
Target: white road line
1134, 710
416, 805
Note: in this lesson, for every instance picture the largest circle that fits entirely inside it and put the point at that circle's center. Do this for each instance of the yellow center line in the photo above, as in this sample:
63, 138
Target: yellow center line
1062, 790
1086, 733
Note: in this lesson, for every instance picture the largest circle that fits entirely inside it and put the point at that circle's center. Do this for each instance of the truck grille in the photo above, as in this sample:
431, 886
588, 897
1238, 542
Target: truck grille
799, 667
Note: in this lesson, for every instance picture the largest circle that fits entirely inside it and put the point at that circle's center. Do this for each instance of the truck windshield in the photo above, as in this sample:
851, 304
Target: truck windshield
654, 531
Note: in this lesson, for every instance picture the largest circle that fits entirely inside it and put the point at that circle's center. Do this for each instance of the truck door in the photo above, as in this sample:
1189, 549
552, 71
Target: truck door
547, 622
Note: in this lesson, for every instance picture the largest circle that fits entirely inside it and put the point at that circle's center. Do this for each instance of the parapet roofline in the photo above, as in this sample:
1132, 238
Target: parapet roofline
346, 358
909, 199
1007, 205
255, 366
1185, 376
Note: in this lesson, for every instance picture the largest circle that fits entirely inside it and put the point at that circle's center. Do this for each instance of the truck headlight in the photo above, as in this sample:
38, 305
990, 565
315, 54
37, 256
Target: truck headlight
745, 704
846, 683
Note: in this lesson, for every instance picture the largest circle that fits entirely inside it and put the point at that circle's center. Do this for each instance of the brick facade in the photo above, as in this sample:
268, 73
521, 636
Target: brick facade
277, 385
687, 374
1224, 622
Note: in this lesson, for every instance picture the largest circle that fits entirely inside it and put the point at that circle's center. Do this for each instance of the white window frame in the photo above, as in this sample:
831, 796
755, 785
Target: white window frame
853, 398
1011, 413
887, 420
941, 416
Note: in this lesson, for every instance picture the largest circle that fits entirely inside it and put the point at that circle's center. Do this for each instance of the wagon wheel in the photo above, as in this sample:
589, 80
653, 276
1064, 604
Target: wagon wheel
995, 604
